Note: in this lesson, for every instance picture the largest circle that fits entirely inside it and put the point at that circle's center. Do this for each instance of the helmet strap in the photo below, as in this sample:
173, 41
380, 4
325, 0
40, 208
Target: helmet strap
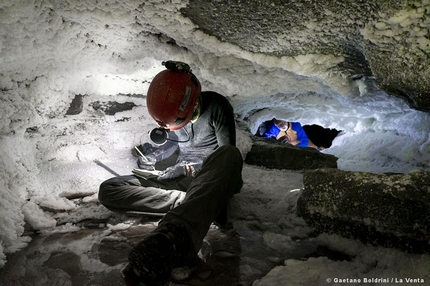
197, 111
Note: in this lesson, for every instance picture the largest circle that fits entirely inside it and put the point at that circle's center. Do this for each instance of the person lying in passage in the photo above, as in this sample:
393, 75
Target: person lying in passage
313, 136
193, 192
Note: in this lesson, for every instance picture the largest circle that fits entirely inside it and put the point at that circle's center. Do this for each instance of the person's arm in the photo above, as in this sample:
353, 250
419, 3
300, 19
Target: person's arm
224, 124
157, 154
222, 121
312, 145
272, 131
301, 134
167, 149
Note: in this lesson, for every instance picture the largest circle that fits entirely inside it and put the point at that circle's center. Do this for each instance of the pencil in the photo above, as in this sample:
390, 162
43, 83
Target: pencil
143, 156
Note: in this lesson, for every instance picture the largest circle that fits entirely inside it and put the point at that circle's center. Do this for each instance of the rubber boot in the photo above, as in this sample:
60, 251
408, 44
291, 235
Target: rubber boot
152, 260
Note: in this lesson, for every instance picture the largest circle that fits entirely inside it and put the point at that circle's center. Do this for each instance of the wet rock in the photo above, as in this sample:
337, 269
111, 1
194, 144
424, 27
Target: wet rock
322, 251
32, 130
112, 107
76, 105
273, 154
76, 195
68, 262
113, 250
392, 210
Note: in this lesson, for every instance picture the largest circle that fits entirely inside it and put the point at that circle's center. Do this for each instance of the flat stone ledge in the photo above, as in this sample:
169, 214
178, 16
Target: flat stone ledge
391, 210
276, 155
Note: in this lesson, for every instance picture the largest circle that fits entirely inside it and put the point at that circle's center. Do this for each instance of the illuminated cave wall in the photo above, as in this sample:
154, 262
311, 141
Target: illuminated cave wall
52, 52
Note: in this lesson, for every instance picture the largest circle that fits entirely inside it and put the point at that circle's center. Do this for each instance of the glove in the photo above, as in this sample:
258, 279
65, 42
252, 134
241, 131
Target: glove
173, 172
147, 162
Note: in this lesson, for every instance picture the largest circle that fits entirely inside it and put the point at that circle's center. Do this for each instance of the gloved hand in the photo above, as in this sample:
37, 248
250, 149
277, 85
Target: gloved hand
147, 162
173, 172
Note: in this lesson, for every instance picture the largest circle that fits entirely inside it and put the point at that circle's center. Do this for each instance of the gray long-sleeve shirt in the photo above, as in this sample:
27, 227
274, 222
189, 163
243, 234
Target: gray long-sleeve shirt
215, 127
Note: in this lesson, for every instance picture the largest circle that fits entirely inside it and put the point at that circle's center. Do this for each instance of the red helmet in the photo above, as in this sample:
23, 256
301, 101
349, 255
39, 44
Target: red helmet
172, 97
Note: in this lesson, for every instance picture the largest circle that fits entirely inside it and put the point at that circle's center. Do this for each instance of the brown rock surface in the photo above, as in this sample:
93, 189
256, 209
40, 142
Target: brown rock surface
391, 210
275, 155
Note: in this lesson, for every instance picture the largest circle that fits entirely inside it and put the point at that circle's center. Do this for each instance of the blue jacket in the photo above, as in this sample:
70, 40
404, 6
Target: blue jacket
272, 131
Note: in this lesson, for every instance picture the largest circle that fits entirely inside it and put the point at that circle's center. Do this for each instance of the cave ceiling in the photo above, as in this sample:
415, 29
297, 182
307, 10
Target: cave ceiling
387, 40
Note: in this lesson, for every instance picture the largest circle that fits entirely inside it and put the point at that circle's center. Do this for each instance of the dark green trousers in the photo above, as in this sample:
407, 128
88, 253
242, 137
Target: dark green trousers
193, 203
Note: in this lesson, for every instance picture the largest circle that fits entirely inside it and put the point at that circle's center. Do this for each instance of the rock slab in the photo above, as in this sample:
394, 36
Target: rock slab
391, 210
276, 155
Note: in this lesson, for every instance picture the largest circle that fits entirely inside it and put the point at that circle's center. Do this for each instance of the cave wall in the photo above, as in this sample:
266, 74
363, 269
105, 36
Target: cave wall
52, 51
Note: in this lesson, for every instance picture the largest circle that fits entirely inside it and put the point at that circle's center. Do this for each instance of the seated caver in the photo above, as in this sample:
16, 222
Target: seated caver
313, 136
192, 193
